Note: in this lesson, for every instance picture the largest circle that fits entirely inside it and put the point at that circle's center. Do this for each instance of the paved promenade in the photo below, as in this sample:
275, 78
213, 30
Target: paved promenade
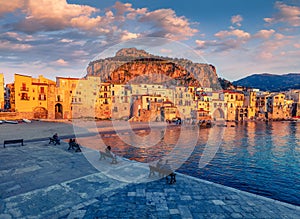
45, 181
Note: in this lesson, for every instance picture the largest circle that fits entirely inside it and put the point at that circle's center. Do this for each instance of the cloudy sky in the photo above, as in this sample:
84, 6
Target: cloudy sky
59, 37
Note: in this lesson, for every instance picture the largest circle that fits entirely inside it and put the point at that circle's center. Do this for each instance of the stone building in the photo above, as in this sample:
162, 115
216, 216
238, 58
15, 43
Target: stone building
250, 104
218, 109
121, 98
85, 98
148, 108
184, 102
278, 107
103, 106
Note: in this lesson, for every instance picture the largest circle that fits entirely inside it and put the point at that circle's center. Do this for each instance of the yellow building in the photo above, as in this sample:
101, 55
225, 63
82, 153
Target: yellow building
32, 95
235, 108
103, 104
278, 107
65, 97
261, 105
169, 111
250, 104
2, 91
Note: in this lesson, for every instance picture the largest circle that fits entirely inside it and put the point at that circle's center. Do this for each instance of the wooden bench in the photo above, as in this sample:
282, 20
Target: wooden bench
103, 155
163, 172
15, 141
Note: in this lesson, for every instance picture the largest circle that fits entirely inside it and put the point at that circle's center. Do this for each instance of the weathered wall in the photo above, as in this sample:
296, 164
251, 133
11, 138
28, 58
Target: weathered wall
16, 115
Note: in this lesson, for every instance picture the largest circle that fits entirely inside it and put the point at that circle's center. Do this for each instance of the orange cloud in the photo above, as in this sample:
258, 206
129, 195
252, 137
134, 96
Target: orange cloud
10, 6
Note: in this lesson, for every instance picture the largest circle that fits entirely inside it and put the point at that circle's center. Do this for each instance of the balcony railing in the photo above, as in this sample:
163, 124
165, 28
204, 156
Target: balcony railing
25, 98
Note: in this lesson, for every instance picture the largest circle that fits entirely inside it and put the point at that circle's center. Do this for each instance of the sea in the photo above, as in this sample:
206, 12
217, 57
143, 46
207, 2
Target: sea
258, 157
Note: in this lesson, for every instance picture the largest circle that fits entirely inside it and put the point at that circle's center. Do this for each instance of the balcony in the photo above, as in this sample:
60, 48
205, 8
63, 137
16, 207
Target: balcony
25, 98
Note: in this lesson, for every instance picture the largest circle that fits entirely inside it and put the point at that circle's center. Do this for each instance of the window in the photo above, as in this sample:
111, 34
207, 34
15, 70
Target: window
42, 97
24, 96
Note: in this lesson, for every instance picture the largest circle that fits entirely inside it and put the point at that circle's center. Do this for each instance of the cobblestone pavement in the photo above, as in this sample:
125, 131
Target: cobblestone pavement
42, 181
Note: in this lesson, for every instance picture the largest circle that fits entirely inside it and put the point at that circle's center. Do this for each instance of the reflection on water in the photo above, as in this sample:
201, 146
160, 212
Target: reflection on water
258, 157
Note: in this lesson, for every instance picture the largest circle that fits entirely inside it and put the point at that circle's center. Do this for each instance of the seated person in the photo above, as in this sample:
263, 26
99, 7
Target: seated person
71, 143
108, 151
56, 138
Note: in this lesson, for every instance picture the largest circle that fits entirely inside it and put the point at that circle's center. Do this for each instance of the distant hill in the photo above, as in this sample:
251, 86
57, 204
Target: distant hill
270, 82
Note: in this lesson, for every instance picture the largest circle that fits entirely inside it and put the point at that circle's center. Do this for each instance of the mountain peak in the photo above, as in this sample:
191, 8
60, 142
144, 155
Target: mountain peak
132, 52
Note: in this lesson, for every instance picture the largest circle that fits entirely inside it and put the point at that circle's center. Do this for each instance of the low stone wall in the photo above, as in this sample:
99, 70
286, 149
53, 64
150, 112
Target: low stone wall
15, 115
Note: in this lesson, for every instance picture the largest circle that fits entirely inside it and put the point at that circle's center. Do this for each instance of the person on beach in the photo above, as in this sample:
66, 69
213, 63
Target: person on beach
56, 138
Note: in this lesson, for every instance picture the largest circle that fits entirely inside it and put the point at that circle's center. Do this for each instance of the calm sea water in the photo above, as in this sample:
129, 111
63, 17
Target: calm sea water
258, 157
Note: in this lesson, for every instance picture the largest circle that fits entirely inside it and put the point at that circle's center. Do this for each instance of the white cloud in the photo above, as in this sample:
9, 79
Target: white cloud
279, 36
265, 34
237, 19
66, 40
287, 14
128, 36
236, 32
200, 43
168, 24
12, 46
61, 62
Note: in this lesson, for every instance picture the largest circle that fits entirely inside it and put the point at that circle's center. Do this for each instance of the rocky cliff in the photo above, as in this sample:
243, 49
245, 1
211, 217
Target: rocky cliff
131, 65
